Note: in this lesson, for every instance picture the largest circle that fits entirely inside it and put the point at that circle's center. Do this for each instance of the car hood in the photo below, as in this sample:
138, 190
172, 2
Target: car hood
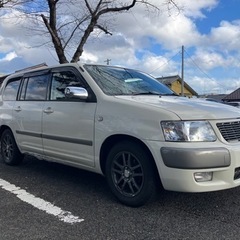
185, 108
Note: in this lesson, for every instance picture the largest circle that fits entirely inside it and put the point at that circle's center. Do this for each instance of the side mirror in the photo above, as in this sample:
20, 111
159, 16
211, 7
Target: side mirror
76, 92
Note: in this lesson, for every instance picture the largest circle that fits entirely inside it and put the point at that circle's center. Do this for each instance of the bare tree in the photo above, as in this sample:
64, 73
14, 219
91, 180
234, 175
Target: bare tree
94, 13
71, 22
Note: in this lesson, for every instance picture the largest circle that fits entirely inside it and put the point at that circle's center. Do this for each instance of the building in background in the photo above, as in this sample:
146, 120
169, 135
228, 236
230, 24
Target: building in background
233, 96
175, 84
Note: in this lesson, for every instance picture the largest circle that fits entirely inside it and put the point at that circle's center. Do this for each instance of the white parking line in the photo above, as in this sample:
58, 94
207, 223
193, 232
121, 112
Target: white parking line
39, 203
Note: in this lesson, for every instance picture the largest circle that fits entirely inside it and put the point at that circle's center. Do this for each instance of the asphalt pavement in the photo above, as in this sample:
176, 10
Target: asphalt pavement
86, 196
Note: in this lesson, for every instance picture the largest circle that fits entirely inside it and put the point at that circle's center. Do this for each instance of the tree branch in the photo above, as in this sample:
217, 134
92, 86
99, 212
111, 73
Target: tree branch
117, 9
95, 16
104, 29
73, 32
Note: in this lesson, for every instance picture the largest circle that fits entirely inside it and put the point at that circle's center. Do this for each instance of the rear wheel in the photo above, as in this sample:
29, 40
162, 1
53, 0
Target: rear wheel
9, 150
130, 174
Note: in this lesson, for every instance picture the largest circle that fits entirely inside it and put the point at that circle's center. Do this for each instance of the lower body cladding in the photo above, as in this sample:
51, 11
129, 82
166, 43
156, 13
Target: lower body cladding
196, 169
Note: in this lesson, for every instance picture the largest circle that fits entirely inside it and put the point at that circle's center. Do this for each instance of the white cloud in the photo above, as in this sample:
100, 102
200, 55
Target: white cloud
17, 35
208, 60
89, 57
194, 8
213, 86
159, 66
10, 56
172, 36
226, 36
163, 28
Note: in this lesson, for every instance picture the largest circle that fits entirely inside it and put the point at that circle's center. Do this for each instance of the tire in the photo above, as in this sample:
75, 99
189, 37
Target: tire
9, 150
130, 174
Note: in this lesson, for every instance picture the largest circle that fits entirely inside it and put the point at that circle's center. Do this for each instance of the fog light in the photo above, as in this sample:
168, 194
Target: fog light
203, 176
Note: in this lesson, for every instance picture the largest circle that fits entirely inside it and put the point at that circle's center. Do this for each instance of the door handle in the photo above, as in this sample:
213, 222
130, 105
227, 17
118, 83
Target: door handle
48, 110
18, 109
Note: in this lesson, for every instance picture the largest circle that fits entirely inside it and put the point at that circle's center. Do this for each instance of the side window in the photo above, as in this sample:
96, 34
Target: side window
36, 88
11, 90
60, 80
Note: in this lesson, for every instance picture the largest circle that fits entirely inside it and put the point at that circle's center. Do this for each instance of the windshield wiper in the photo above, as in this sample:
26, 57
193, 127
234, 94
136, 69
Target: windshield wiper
169, 94
146, 93
155, 93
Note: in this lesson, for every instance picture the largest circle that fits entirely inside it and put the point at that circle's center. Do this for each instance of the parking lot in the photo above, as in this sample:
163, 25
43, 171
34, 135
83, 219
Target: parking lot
86, 197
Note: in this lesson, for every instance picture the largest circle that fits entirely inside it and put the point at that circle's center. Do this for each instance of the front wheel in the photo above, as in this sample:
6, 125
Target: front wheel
130, 174
9, 150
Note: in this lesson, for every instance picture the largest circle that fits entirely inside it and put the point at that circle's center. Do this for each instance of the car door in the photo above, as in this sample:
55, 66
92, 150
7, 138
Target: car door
68, 124
28, 109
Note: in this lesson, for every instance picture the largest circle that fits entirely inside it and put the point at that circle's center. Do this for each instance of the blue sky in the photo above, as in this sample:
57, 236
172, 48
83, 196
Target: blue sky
226, 10
150, 41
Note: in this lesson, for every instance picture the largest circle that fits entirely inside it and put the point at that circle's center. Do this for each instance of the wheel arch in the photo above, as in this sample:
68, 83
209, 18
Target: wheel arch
10, 152
114, 139
3, 128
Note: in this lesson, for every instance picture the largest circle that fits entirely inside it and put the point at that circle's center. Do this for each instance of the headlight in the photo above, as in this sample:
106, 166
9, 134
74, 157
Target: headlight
188, 131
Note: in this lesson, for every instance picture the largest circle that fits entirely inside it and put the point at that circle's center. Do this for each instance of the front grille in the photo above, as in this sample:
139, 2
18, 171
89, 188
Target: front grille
230, 131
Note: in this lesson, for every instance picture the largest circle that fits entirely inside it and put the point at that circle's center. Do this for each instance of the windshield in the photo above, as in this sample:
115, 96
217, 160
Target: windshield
121, 81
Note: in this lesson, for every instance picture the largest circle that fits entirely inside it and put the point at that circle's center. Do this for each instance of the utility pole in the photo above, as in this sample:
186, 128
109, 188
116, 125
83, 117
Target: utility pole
182, 85
107, 61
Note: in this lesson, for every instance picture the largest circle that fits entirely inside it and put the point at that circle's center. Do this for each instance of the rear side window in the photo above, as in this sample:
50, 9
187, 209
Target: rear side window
35, 88
11, 90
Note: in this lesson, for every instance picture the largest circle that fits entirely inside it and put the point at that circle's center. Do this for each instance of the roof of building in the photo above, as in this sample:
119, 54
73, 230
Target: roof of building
235, 95
168, 80
171, 79
217, 97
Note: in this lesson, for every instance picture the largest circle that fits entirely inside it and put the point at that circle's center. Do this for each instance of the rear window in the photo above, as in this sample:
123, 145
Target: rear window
11, 90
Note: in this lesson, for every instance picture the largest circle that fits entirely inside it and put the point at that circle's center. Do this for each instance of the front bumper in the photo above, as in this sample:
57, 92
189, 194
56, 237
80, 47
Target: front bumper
178, 162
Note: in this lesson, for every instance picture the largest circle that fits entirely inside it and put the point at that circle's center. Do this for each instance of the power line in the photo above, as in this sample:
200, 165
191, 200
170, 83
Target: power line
195, 64
202, 70
165, 62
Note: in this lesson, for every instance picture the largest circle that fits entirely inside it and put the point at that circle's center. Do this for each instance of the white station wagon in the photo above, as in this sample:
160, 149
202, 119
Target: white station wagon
121, 123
